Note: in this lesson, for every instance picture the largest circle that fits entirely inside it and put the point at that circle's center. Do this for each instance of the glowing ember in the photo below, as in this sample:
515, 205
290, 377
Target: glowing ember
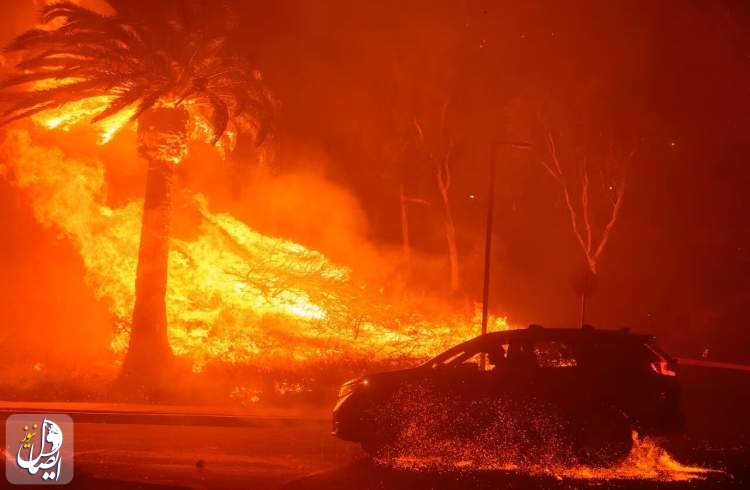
647, 461
439, 433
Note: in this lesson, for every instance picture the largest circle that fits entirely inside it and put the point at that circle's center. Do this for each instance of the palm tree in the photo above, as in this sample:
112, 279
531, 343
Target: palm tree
169, 61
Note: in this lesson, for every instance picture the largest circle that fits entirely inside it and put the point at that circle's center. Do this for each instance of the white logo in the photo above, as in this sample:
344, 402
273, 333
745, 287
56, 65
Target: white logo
42, 453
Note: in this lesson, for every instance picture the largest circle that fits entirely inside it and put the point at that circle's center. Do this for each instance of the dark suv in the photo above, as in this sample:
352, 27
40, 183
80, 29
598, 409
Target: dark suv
600, 384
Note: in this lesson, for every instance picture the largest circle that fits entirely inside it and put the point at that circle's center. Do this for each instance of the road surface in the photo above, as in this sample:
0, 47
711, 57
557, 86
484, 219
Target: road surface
124, 447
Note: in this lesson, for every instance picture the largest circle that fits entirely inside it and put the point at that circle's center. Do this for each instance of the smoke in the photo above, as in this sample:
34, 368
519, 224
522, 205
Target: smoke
296, 201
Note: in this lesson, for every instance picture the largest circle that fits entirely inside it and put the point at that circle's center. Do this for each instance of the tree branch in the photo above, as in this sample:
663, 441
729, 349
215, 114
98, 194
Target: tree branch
585, 207
611, 223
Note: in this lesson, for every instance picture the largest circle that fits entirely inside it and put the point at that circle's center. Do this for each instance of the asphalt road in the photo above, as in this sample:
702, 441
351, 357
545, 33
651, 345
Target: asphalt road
297, 455
249, 453
117, 448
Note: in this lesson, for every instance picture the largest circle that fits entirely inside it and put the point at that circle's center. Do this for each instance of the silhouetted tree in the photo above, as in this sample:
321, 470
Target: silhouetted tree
437, 152
583, 145
585, 201
576, 179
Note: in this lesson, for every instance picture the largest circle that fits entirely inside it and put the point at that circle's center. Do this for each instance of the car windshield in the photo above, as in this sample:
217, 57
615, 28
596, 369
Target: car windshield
556, 352
456, 355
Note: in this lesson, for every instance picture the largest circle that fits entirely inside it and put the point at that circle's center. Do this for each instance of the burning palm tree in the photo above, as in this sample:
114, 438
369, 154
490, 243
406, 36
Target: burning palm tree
170, 68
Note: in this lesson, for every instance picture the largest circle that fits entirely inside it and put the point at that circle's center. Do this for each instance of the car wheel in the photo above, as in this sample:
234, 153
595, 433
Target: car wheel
381, 430
603, 437
372, 447
377, 447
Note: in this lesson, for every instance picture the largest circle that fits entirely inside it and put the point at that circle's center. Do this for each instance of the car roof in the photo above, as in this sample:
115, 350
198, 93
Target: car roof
538, 332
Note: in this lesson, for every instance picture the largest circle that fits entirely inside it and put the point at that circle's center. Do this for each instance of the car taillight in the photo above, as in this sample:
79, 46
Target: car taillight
663, 368
661, 365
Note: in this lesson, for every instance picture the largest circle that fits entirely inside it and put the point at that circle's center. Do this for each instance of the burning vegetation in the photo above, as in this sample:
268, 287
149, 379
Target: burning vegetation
233, 295
226, 295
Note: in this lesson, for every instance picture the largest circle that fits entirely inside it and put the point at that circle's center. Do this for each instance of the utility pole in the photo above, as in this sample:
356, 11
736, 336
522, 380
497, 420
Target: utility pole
488, 235
587, 286
583, 309
488, 250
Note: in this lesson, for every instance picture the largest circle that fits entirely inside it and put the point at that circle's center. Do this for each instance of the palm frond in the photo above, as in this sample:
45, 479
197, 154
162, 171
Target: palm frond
146, 103
26, 39
26, 113
51, 63
59, 95
59, 40
219, 117
71, 12
139, 56
129, 97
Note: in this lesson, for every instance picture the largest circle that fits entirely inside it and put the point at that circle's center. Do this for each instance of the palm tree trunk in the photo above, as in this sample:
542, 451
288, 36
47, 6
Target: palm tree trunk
162, 141
148, 350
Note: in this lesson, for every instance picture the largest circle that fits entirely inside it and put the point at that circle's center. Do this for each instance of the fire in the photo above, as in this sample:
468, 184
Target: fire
80, 111
647, 460
234, 295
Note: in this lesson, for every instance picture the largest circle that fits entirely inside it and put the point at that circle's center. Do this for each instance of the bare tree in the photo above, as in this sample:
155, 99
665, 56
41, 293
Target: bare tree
581, 213
443, 173
593, 196
404, 200
439, 157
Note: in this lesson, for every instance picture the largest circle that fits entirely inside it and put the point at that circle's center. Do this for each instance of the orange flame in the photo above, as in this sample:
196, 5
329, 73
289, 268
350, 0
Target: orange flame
234, 295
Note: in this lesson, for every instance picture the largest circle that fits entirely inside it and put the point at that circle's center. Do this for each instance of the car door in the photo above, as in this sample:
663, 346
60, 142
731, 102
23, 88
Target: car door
456, 392
557, 375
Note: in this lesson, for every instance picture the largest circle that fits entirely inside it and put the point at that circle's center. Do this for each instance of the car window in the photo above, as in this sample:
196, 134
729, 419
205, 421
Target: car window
554, 354
455, 358
465, 357
466, 352
614, 354
495, 356
452, 357
475, 361
472, 357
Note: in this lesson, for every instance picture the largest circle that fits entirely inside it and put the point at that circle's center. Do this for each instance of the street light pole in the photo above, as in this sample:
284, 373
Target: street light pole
488, 236
488, 243
488, 250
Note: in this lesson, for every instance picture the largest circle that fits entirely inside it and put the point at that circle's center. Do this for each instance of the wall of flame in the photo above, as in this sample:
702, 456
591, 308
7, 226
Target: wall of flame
234, 294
